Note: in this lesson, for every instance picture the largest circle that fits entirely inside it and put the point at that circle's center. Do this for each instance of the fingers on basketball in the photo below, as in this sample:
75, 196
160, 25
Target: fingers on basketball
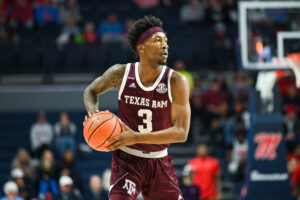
100, 127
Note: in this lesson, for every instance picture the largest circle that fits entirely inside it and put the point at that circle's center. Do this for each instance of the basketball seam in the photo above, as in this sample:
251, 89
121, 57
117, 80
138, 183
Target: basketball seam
92, 124
99, 126
110, 133
99, 118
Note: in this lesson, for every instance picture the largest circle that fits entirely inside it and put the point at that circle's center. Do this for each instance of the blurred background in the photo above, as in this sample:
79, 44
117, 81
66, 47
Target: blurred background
50, 50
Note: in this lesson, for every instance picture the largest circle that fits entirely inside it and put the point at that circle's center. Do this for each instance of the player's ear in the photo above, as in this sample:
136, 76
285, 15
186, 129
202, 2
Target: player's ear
140, 47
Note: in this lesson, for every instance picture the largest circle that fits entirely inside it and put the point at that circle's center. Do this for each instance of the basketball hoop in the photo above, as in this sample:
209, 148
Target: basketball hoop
294, 63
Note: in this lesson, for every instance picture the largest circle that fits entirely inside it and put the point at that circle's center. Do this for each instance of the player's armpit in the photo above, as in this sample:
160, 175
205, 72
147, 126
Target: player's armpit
110, 78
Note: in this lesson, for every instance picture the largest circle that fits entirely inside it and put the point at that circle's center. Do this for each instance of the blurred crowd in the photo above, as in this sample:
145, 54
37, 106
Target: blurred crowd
189, 23
34, 14
221, 117
47, 168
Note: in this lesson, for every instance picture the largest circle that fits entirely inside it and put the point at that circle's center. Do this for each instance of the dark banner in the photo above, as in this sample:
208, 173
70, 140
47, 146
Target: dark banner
267, 177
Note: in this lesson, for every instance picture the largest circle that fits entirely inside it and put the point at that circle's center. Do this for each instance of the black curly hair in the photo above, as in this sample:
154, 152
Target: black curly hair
139, 27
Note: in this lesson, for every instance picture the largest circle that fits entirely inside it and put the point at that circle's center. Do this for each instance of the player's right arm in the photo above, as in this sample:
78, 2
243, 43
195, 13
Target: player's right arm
111, 78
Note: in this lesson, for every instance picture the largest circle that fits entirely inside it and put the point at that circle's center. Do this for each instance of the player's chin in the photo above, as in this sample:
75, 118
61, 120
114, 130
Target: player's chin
163, 61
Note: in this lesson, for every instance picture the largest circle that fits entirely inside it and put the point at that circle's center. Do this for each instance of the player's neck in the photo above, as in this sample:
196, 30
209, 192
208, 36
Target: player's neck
149, 72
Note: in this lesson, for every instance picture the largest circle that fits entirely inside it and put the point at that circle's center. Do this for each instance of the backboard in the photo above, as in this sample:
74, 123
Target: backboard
268, 31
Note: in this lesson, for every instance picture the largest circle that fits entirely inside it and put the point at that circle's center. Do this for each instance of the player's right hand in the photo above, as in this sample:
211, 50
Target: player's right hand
89, 115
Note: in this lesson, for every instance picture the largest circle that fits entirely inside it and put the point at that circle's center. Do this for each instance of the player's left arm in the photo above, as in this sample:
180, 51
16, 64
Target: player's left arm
181, 114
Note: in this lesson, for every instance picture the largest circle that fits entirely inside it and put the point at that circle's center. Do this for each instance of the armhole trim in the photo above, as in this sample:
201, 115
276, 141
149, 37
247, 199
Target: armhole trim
169, 85
124, 80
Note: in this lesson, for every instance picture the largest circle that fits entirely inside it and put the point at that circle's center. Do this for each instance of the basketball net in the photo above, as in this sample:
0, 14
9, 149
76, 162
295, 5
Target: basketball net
294, 63
292, 60
267, 79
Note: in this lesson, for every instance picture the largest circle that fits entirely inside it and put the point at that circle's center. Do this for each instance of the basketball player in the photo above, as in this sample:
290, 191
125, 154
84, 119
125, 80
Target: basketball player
154, 109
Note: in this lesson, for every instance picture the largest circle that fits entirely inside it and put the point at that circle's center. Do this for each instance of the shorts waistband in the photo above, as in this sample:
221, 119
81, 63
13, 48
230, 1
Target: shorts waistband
138, 153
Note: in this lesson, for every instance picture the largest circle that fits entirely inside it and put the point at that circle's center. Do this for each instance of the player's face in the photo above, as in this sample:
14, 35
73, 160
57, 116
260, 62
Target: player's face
156, 48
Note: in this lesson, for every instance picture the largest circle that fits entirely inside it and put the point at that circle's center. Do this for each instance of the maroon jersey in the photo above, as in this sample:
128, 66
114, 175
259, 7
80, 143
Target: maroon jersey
146, 109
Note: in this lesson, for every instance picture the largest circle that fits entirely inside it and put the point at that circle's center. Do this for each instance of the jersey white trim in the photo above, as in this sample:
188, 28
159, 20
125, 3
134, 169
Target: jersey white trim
111, 186
125, 76
137, 77
138, 153
169, 85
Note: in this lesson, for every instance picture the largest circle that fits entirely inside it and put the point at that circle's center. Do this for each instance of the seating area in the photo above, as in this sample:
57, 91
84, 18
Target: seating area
15, 128
36, 51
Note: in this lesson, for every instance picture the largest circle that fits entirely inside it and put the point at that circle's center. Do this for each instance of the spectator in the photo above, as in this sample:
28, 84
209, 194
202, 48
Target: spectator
47, 175
41, 135
198, 111
231, 14
66, 190
215, 101
95, 190
106, 179
238, 119
292, 96
77, 184
90, 35
69, 32
180, 68
222, 82
295, 155
146, 4
193, 12
206, 171
111, 29
7, 33
70, 27
67, 10
10, 189
22, 14
291, 126
237, 155
24, 162
295, 24
285, 82
214, 13
46, 13
26, 189
222, 48
3, 27
189, 190
6, 6
240, 89
65, 131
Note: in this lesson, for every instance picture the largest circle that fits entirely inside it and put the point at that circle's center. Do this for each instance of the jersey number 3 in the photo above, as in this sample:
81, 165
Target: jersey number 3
146, 114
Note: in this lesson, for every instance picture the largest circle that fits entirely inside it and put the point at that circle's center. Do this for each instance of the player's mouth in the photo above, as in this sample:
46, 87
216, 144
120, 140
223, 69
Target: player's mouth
164, 54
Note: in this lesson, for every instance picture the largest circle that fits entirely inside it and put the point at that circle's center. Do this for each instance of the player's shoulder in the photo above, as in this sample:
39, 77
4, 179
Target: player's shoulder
178, 79
116, 70
114, 74
118, 67
179, 83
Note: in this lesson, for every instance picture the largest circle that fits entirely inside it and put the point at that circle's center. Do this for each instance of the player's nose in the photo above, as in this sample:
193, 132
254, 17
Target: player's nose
165, 45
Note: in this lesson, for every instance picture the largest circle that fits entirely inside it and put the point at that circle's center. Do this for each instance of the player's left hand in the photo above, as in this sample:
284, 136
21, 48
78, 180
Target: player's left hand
126, 138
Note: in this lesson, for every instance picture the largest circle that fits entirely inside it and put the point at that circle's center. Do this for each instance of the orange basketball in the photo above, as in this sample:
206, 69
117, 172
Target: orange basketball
99, 128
